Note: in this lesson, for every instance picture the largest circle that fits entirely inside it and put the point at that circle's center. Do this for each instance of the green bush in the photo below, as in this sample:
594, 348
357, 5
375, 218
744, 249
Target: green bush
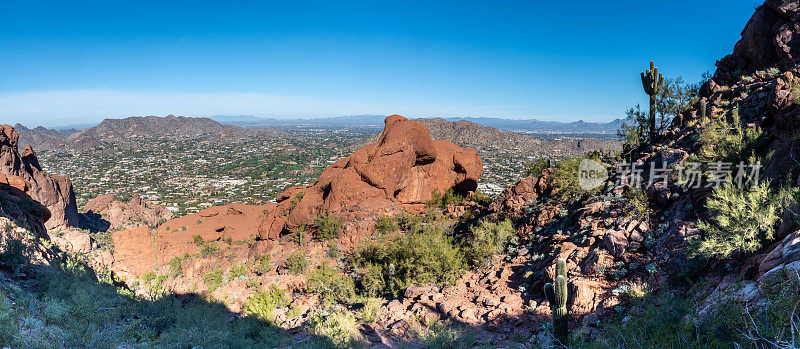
209, 249
442, 200
214, 279
261, 304
338, 326
386, 224
725, 140
390, 264
536, 167
331, 284
741, 219
327, 227
489, 238
296, 263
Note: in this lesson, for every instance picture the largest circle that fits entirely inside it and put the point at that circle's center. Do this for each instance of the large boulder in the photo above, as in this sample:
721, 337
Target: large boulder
54, 192
106, 213
404, 167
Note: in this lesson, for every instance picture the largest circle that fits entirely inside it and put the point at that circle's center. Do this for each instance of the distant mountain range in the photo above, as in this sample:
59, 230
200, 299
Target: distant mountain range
508, 125
132, 128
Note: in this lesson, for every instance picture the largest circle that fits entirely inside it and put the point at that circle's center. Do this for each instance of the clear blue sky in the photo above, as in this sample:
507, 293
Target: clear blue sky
66, 62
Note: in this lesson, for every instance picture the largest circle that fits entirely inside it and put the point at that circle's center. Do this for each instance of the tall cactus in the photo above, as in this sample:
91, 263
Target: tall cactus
652, 81
557, 296
703, 108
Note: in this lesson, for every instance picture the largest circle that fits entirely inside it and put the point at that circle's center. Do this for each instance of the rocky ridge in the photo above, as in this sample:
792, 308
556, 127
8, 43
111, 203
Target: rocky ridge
52, 191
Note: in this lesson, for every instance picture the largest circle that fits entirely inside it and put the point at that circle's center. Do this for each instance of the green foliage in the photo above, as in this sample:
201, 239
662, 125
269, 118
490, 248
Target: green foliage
726, 140
391, 264
327, 227
15, 253
637, 203
209, 248
557, 296
331, 284
296, 263
443, 200
536, 167
214, 279
742, 218
565, 179
489, 238
386, 224
672, 99
67, 306
337, 325
175, 265
197, 239
154, 284
794, 86
263, 265
261, 304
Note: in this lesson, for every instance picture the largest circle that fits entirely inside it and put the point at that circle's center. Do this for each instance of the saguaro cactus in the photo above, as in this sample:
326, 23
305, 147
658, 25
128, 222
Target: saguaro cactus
557, 296
652, 81
703, 108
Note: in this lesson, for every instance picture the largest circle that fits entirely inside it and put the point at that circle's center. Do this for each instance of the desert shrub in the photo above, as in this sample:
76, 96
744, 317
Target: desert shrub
15, 253
327, 227
175, 265
488, 238
385, 224
296, 263
442, 200
237, 271
741, 219
391, 264
369, 312
482, 198
209, 249
537, 166
794, 86
263, 265
154, 284
261, 304
565, 178
726, 140
637, 203
214, 279
330, 283
197, 239
338, 325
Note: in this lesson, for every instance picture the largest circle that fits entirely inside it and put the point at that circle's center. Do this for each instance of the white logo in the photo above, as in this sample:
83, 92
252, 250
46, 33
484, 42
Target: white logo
591, 174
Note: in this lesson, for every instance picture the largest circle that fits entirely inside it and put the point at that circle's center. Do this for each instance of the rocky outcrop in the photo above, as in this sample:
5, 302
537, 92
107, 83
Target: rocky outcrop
52, 191
770, 39
489, 140
404, 167
105, 213
524, 192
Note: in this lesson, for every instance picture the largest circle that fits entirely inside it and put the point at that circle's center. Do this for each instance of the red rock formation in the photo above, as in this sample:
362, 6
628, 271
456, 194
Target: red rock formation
54, 192
119, 215
404, 167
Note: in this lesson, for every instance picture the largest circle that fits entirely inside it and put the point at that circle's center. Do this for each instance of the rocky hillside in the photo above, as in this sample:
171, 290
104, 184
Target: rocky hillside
489, 140
104, 213
42, 138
